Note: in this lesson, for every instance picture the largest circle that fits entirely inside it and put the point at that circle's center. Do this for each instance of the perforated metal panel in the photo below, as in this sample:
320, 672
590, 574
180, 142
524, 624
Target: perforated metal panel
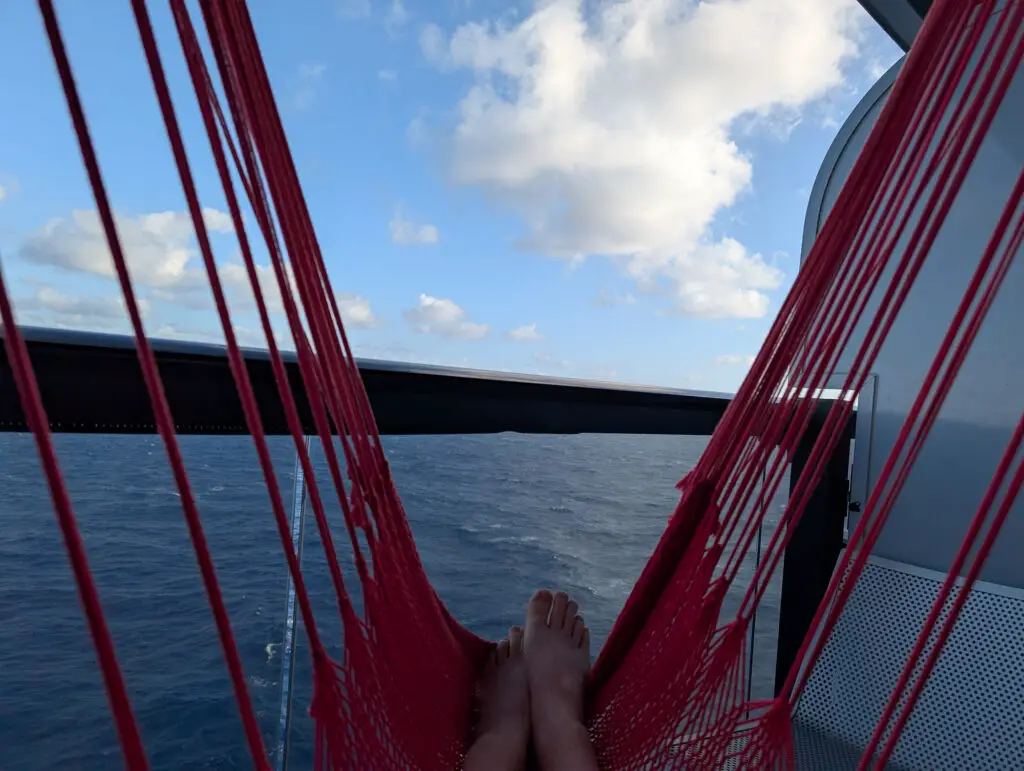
971, 713
815, 749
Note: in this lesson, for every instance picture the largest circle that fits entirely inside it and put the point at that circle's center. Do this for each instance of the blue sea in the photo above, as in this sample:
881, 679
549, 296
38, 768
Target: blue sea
495, 517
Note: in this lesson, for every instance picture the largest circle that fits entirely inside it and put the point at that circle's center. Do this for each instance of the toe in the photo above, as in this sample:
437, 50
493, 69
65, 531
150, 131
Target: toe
558, 608
539, 608
585, 642
570, 615
578, 628
503, 650
515, 641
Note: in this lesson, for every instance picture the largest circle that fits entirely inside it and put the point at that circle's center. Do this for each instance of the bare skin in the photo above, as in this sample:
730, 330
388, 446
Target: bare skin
557, 651
536, 679
503, 733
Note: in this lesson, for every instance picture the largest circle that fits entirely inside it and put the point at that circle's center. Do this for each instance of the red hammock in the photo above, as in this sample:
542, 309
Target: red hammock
668, 688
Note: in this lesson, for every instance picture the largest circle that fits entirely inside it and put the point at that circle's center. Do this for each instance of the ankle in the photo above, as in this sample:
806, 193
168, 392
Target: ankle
558, 737
496, 749
556, 715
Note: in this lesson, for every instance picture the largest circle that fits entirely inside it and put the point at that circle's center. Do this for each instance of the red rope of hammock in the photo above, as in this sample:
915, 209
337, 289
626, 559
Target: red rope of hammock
668, 689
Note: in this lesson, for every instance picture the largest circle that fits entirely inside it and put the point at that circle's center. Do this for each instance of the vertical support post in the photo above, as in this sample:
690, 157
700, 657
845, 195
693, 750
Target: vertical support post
298, 524
812, 552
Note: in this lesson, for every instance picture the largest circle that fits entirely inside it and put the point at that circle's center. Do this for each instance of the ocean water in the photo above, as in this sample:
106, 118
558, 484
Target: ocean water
495, 517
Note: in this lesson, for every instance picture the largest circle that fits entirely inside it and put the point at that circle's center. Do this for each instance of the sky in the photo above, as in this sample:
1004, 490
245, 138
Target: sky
603, 190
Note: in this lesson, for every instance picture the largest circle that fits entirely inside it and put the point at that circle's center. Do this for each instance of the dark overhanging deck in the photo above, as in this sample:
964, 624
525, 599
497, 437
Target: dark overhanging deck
899, 19
92, 383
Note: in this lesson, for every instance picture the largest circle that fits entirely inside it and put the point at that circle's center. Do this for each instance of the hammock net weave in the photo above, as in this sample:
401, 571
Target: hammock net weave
669, 687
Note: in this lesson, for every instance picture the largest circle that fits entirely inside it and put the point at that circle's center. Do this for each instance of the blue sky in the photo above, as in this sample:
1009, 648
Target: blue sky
601, 190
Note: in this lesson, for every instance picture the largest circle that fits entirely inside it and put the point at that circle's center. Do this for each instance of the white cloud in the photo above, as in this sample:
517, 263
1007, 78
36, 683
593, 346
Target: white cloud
246, 337
235, 279
307, 81
396, 17
443, 317
546, 364
159, 247
8, 186
714, 280
162, 257
218, 221
355, 309
354, 9
404, 231
525, 333
433, 44
612, 132
732, 359
50, 307
196, 301
387, 76
606, 299
416, 132
879, 53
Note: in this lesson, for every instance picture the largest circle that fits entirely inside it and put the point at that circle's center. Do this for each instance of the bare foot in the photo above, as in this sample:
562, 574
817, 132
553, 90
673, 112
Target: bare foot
504, 729
557, 648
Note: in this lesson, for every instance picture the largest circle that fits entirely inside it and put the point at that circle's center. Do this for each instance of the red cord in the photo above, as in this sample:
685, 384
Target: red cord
669, 687
39, 425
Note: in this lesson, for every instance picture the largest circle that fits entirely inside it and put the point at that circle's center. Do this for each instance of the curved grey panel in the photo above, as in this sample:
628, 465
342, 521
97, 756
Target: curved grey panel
842, 153
957, 460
